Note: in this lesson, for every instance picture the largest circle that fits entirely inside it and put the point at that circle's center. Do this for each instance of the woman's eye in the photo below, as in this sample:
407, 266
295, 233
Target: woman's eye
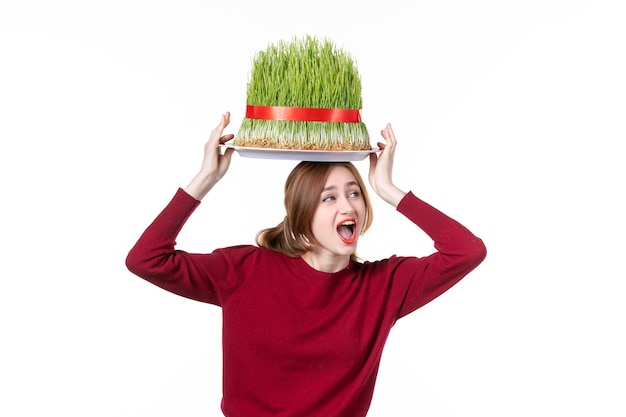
328, 198
354, 194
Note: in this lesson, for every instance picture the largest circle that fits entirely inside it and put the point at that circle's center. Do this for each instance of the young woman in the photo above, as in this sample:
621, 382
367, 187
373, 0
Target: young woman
304, 322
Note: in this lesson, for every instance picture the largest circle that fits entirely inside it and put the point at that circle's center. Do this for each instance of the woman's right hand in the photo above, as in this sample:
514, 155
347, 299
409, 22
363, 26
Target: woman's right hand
381, 168
214, 164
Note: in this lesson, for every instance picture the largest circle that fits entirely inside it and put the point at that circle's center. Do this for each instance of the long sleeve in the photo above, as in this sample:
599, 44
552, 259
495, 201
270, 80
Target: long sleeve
458, 252
200, 277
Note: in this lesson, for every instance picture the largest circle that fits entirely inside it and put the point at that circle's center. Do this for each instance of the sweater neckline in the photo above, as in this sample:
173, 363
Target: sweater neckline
309, 272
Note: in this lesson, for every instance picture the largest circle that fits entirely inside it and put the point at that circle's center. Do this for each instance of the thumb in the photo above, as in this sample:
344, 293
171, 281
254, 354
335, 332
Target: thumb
373, 164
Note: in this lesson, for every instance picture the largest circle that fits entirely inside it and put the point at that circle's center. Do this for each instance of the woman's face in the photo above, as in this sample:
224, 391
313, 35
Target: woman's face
338, 219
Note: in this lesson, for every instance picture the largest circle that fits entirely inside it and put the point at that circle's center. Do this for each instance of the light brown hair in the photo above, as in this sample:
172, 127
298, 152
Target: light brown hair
303, 188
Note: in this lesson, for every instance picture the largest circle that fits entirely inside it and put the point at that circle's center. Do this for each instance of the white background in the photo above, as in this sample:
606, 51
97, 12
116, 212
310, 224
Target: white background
510, 118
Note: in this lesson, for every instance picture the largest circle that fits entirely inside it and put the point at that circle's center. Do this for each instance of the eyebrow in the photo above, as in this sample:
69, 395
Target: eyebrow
333, 187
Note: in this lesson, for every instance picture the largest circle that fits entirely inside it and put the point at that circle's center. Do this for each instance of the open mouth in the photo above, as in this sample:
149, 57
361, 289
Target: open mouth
347, 230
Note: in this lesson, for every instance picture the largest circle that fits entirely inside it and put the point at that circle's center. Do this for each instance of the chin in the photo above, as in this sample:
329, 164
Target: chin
348, 251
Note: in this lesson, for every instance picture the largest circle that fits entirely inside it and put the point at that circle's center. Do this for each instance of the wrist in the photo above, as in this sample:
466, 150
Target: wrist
200, 185
391, 194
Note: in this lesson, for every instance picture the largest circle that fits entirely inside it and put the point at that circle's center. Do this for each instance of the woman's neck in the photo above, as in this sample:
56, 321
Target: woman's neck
325, 262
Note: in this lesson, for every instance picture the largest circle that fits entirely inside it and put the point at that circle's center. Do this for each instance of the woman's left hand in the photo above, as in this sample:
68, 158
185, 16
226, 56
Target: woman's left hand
381, 168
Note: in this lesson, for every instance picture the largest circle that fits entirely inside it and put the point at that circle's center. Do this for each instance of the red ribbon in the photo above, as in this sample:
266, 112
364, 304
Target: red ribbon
303, 114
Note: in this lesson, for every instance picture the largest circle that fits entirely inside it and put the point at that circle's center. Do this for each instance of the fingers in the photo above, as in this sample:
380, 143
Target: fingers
373, 162
388, 135
228, 154
226, 138
225, 120
216, 134
371, 175
388, 147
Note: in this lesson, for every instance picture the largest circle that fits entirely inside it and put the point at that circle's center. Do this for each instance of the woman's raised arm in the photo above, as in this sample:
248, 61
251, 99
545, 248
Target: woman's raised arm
381, 167
215, 164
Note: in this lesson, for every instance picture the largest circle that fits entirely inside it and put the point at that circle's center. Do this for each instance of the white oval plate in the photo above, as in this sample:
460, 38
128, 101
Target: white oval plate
300, 155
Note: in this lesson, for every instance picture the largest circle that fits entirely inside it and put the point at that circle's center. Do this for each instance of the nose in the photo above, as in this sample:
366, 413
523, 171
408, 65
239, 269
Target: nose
346, 206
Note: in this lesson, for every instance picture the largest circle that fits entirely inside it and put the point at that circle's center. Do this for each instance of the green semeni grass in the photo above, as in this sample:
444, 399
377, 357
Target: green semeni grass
304, 73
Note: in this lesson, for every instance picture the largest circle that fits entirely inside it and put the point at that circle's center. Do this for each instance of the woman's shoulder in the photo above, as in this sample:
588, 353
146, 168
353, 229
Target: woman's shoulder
250, 251
385, 262
392, 266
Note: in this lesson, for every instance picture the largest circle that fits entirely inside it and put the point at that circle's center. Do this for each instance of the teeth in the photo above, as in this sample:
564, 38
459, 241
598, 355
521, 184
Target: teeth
348, 223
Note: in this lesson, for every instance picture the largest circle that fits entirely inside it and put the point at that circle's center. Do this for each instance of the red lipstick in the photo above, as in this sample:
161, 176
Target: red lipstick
346, 229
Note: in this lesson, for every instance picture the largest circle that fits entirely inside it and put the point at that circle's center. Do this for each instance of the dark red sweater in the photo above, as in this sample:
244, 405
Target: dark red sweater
296, 341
